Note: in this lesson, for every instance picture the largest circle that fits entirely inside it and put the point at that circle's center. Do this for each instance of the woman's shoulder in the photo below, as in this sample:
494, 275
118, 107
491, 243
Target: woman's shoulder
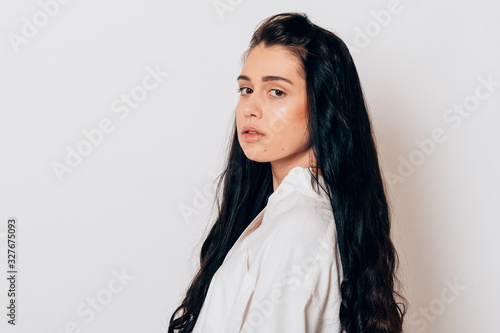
298, 211
302, 221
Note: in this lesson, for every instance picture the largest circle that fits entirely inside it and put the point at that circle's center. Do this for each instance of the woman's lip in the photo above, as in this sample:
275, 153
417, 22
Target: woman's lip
252, 137
251, 128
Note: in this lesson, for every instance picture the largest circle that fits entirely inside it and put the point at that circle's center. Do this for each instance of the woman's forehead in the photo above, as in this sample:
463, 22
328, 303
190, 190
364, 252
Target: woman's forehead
272, 60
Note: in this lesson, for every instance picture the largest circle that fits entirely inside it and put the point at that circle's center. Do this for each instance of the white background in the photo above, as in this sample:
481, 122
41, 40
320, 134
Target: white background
140, 202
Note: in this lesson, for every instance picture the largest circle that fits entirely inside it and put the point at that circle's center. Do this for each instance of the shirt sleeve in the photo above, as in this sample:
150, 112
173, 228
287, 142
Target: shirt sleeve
295, 274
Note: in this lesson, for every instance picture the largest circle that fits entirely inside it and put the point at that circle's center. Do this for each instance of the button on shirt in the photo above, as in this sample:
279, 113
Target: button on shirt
285, 275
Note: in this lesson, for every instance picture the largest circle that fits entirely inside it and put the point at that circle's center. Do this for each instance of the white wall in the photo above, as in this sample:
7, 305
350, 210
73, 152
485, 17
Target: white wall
119, 210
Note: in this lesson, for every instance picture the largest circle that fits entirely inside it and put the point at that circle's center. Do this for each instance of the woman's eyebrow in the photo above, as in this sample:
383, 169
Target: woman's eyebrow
266, 78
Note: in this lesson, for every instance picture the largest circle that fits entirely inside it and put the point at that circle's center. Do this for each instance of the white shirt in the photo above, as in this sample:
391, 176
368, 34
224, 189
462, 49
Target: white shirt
285, 275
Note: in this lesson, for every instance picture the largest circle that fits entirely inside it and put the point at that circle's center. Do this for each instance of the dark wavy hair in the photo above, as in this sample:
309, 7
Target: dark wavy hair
344, 146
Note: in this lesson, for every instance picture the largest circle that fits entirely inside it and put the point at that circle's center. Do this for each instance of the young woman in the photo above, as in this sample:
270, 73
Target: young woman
302, 240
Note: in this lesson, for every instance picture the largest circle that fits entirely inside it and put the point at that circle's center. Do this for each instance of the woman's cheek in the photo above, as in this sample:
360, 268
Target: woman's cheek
280, 120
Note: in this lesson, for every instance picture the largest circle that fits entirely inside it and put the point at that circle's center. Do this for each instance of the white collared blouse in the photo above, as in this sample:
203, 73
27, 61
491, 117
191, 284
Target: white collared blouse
285, 275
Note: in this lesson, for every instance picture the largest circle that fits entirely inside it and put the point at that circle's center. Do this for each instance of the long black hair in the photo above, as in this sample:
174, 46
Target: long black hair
344, 146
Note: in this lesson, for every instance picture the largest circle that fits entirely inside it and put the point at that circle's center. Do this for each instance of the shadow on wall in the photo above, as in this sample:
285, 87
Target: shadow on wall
420, 186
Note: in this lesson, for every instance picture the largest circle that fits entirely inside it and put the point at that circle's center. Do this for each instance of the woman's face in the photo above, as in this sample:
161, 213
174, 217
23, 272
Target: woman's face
273, 100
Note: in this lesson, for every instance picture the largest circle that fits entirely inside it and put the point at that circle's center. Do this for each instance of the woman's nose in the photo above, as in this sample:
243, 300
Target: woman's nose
253, 106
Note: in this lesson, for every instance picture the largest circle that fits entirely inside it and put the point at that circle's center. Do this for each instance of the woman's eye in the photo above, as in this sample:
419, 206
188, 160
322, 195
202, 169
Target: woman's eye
278, 93
244, 90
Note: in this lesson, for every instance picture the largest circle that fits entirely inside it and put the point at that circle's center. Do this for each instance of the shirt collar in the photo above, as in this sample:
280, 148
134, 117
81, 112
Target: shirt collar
299, 179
